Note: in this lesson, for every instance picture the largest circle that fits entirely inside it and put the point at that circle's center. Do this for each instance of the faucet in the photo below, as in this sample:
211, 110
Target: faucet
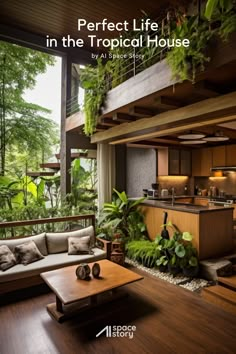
173, 196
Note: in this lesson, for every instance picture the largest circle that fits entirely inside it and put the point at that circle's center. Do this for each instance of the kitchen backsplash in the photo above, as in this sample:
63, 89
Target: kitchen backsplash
226, 184
178, 182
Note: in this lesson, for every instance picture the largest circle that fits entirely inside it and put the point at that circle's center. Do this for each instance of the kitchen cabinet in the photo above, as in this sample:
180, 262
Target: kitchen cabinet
206, 227
174, 162
234, 212
185, 162
219, 156
201, 162
230, 155
206, 162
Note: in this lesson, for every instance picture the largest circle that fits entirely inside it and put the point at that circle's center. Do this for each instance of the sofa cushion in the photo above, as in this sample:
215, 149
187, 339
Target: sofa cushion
7, 258
57, 242
79, 245
39, 240
52, 261
27, 253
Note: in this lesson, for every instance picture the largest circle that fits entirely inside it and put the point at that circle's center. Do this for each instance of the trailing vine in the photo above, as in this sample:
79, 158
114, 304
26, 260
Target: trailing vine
93, 80
184, 61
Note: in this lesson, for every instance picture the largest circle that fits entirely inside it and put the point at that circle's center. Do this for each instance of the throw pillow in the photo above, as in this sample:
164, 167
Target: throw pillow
58, 241
79, 245
7, 258
27, 253
40, 241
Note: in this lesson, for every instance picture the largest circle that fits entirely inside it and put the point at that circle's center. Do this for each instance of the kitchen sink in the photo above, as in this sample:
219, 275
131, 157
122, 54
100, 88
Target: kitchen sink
169, 202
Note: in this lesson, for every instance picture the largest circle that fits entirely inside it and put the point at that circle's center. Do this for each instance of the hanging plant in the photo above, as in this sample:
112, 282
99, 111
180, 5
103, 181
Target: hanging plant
185, 61
223, 11
93, 80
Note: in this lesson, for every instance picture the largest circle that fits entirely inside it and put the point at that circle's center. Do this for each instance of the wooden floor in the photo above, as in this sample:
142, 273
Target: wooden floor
169, 319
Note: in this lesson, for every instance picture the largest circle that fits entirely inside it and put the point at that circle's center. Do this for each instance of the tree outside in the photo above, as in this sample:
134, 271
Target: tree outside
26, 132
29, 137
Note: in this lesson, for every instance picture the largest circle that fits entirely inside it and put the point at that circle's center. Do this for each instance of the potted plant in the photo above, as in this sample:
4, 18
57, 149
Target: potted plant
124, 217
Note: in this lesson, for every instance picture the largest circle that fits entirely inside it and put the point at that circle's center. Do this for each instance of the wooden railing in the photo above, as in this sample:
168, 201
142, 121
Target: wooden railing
86, 220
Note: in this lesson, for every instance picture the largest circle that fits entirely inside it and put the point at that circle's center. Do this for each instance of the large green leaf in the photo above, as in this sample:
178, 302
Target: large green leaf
18, 199
30, 186
40, 188
123, 197
180, 251
193, 262
187, 236
226, 5
5, 181
211, 6
137, 202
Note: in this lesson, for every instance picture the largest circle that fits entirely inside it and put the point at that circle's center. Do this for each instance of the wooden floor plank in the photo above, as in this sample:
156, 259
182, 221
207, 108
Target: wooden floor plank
168, 319
229, 281
220, 296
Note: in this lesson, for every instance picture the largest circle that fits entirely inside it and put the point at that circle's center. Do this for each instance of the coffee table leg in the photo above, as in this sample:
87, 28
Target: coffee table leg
59, 305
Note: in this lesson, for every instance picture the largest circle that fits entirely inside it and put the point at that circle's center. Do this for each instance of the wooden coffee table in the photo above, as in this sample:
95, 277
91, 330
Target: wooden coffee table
74, 295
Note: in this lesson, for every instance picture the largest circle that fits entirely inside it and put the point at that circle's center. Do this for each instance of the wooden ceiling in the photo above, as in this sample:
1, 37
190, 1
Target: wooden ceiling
58, 18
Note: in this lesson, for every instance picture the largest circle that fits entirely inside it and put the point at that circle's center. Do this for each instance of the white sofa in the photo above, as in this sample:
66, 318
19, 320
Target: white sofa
54, 247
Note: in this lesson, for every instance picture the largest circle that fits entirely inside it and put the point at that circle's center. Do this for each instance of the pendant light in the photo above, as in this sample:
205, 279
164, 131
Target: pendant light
192, 136
193, 142
217, 137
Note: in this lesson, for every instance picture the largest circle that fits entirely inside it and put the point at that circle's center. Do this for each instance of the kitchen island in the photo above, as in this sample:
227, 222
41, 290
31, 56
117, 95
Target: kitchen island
211, 226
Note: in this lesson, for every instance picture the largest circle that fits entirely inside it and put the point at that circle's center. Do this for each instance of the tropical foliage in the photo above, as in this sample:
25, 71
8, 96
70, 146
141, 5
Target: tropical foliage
94, 83
24, 127
175, 255
122, 216
83, 183
24, 198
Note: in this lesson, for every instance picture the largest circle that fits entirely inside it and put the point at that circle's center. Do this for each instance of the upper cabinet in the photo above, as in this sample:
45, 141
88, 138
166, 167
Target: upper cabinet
230, 155
219, 156
204, 159
185, 162
202, 162
174, 162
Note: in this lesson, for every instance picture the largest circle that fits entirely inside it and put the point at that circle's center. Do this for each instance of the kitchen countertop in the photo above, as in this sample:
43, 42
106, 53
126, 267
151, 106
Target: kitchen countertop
190, 196
167, 197
185, 207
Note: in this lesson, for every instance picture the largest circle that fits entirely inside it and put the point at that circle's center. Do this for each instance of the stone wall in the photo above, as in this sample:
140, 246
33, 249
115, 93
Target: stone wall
141, 170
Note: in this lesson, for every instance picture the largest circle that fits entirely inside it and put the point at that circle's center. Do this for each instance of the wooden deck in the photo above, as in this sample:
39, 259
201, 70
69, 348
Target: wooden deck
169, 319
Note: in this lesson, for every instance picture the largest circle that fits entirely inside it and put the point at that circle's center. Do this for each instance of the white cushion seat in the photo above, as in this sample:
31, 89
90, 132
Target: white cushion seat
50, 262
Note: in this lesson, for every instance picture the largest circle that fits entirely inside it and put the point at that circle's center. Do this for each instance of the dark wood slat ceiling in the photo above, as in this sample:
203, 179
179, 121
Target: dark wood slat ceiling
58, 18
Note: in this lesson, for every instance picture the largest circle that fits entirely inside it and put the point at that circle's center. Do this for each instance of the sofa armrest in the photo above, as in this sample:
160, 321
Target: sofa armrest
106, 245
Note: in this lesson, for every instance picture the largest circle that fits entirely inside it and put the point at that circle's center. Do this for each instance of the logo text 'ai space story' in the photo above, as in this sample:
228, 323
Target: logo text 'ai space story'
118, 331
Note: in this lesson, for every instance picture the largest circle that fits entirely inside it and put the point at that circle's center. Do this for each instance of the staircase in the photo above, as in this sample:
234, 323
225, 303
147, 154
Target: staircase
222, 295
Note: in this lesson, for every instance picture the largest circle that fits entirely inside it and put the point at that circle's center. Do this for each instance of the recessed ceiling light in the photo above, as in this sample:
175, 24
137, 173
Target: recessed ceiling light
193, 142
193, 136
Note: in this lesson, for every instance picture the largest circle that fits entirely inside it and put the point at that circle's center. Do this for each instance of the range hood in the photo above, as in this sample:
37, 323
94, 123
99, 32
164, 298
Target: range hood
223, 168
